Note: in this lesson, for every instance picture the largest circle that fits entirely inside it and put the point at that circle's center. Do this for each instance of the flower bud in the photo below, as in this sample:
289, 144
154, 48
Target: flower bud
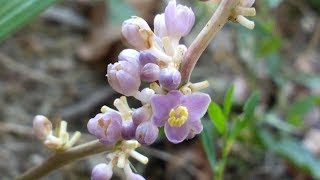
106, 127
123, 76
42, 127
101, 172
128, 129
150, 72
179, 19
130, 55
147, 133
132, 30
141, 115
160, 28
146, 58
145, 95
169, 78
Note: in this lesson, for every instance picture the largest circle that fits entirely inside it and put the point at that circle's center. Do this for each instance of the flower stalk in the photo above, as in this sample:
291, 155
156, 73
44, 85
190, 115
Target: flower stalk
216, 22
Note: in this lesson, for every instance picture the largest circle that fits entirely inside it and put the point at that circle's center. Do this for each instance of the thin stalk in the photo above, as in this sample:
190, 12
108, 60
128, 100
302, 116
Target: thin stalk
60, 159
218, 19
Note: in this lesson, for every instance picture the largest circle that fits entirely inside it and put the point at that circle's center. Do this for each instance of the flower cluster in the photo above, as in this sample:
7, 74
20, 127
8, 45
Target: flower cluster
155, 61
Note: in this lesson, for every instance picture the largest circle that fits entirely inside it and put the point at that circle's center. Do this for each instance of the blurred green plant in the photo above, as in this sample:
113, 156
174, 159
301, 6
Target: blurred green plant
16, 13
228, 130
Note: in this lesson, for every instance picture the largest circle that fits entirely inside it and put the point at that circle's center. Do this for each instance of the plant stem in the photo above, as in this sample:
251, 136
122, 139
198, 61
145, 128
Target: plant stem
60, 159
218, 19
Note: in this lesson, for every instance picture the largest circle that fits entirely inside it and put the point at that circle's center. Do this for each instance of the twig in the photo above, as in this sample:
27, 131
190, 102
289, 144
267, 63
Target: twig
62, 158
218, 19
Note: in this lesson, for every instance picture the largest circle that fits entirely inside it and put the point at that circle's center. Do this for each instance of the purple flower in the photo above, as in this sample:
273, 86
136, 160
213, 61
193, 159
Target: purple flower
42, 127
137, 32
169, 78
130, 55
179, 114
128, 129
147, 133
106, 127
101, 172
150, 72
141, 115
123, 76
179, 19
160, 28
146, 58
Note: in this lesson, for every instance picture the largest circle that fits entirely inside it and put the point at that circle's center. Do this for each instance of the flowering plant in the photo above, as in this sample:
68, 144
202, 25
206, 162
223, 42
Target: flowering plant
156, 73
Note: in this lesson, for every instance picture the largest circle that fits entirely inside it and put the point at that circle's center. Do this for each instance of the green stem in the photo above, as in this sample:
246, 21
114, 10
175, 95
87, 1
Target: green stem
60, 159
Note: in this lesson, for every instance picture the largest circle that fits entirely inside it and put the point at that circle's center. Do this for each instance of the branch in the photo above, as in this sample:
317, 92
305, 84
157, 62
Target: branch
62, 158
218, 19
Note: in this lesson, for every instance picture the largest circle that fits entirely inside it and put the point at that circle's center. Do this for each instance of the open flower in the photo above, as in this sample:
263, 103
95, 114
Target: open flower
179, 114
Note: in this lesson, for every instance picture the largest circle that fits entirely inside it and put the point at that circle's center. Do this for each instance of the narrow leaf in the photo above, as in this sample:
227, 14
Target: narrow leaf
217, 117
208, 145
227, 103
16, 13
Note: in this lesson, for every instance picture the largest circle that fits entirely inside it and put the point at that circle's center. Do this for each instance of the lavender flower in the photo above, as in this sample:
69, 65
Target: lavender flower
128, 129
101, 172
146, 58
169, 78
130, 55
147, 133
123, 76
137, 32
179, 114
106, 127
42, 127
150, 72
179, 19
141, 115
160, 28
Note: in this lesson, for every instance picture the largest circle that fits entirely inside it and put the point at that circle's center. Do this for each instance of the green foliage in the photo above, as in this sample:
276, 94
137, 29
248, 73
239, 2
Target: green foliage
207, 140
298, 109
16, 13
292, 150
217, 117
227, 103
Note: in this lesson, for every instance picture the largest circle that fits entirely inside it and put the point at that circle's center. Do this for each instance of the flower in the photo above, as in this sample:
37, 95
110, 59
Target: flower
130, 55
160, 28
179, 19
137, 32
169, 78
150, 72
101, 171
146, 58
179, 114
106, 127
123, 76
42, 127
147, 133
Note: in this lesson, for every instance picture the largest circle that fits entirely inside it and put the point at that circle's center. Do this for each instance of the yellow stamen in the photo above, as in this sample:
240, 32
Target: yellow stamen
178, 116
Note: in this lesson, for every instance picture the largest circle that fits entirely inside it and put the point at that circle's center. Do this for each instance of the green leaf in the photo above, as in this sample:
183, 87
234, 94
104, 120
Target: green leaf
298, 109
292, 150
16, 13
217, 117
250, 106
242, 121
227, 103
207, 140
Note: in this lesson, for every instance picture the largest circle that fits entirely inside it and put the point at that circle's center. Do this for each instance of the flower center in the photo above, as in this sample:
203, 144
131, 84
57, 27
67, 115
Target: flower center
178, 116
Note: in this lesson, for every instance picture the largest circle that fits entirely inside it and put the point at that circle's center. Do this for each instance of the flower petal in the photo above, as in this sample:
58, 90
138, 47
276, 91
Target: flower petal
176, 134
196, 103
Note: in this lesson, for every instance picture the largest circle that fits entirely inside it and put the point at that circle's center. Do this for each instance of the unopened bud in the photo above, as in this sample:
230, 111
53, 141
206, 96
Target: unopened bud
101, 172
169, 78
42, 127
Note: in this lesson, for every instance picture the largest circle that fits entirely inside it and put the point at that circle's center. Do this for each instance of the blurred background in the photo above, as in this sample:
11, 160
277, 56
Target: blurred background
53, 59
